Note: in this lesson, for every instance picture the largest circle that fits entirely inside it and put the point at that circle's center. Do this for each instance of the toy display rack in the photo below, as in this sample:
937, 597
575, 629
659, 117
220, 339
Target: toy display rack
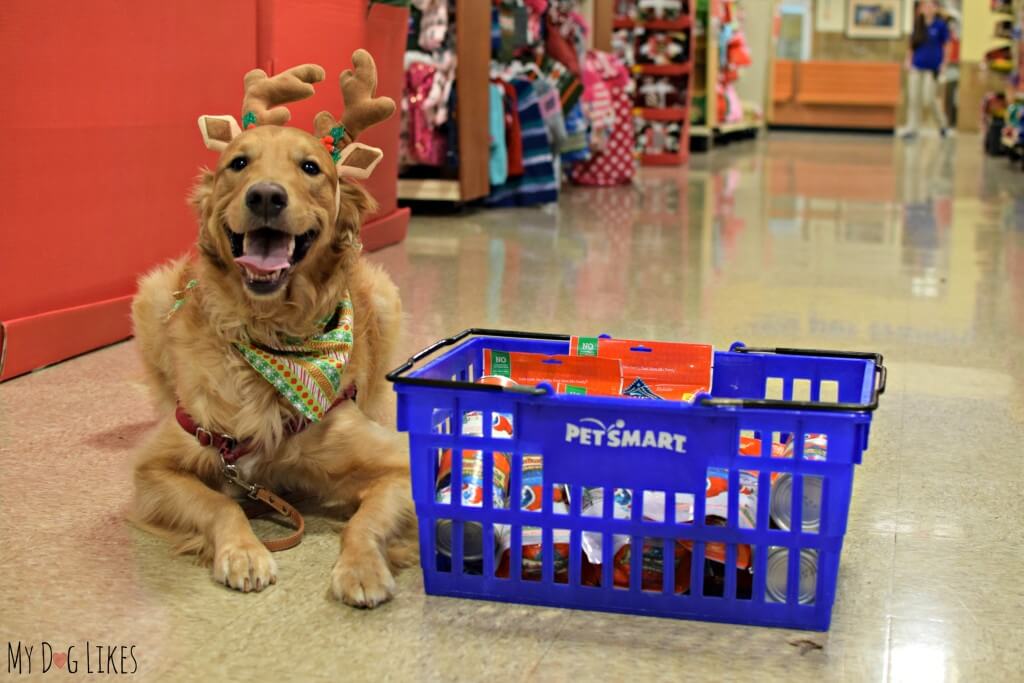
1012, 140
678, 114
713, 130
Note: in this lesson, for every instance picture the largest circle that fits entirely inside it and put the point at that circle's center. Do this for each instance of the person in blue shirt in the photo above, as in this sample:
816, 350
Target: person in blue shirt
928, 45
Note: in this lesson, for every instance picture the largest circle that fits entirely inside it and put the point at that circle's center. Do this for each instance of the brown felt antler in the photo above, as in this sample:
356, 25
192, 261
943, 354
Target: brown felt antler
264, 94
362, 110
261, 104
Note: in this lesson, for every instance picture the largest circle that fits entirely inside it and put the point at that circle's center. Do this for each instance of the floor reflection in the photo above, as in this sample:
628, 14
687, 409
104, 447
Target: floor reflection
848, 241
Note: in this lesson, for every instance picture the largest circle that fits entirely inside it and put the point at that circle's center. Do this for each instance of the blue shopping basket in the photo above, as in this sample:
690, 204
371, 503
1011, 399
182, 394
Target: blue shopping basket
745, 566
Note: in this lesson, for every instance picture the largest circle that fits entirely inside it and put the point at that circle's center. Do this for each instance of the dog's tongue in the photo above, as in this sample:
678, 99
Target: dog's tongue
269, 263
265, 255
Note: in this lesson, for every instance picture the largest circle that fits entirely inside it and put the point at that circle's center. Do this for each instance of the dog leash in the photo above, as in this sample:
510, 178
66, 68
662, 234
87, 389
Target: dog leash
230, 449
267, 497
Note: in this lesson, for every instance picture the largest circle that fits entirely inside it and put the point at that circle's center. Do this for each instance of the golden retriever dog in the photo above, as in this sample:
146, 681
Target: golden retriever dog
278, 250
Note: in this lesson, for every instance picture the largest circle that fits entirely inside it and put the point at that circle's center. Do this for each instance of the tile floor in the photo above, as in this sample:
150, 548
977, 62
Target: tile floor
916, 251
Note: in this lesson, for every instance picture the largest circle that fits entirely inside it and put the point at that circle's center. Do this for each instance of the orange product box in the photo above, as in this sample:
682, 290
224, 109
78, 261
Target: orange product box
567, 374
650, 369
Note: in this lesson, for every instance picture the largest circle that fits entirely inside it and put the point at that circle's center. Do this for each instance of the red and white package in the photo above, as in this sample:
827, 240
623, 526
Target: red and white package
567, 374
656, 370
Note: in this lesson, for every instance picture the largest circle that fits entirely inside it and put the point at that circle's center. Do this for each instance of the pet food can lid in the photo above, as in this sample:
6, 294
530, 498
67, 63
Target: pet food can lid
778, 571
472, 539
497, 380
781, 502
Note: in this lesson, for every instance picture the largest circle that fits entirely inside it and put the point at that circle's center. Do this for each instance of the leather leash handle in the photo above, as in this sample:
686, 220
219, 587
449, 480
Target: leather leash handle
283, 507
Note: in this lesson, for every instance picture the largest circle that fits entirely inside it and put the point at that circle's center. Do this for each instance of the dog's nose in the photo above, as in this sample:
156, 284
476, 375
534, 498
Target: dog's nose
266, 199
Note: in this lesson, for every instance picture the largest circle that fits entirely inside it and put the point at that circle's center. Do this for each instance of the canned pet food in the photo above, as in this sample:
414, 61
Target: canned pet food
531, 498
778, 570
652, 567
717, 492
497, 380
714, 580
592, 505
472, 496
473, 479
653, 564
533, 486
781, 504
472, 543
533, 559
472, 487
715, 551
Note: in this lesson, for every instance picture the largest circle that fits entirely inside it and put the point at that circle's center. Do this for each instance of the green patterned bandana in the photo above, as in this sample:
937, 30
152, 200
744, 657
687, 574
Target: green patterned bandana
307, 372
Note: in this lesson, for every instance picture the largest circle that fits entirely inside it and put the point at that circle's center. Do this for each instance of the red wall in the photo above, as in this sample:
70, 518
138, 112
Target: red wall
327, 32
101, 145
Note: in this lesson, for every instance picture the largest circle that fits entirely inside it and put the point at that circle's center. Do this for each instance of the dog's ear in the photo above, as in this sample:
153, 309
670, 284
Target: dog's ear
202, 195
358, 160
354, 204
201, 191
218, 131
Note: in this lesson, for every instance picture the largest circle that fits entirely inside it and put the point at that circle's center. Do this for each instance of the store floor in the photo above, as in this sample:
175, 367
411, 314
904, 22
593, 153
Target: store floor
819, 241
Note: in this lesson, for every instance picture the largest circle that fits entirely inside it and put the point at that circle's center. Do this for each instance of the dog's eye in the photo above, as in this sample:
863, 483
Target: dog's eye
310, 168
238, 163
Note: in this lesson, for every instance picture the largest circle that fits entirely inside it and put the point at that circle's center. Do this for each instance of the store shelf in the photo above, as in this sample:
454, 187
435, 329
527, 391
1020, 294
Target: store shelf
663, 69
702, 138
680, 24
429, 189
662, 114
738, 127
668, 159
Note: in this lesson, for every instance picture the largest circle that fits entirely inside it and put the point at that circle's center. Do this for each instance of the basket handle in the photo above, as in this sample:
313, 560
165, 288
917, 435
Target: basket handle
881, 374
398, 375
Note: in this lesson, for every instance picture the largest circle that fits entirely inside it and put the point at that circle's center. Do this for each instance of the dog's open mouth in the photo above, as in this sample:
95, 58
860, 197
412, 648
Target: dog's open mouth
266, 256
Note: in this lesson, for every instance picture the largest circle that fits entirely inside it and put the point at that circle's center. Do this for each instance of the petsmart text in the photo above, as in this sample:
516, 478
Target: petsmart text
593, 432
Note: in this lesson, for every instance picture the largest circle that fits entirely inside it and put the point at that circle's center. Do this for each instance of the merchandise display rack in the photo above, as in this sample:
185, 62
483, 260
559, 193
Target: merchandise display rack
665, 128
708, 127
472, 25
1013, 130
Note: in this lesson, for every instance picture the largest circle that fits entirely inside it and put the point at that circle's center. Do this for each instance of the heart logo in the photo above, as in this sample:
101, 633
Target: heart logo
60, 659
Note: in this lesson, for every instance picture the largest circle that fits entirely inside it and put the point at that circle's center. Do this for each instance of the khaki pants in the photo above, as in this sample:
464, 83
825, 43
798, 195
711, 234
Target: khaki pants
921, 92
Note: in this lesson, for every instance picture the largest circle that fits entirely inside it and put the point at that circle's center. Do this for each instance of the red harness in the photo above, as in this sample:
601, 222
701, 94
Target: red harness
231, 449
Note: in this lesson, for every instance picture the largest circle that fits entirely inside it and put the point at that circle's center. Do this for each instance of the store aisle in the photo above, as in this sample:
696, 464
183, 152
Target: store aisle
916, 251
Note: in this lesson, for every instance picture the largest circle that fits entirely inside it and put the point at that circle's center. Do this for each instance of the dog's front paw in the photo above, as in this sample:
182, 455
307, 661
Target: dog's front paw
362, 579
245, 566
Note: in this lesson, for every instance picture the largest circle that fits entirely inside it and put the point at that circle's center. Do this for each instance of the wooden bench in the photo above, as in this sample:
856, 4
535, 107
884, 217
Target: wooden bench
836, 94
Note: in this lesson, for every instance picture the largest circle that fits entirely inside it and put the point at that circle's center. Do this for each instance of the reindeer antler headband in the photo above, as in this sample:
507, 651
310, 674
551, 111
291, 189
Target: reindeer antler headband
265, 95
